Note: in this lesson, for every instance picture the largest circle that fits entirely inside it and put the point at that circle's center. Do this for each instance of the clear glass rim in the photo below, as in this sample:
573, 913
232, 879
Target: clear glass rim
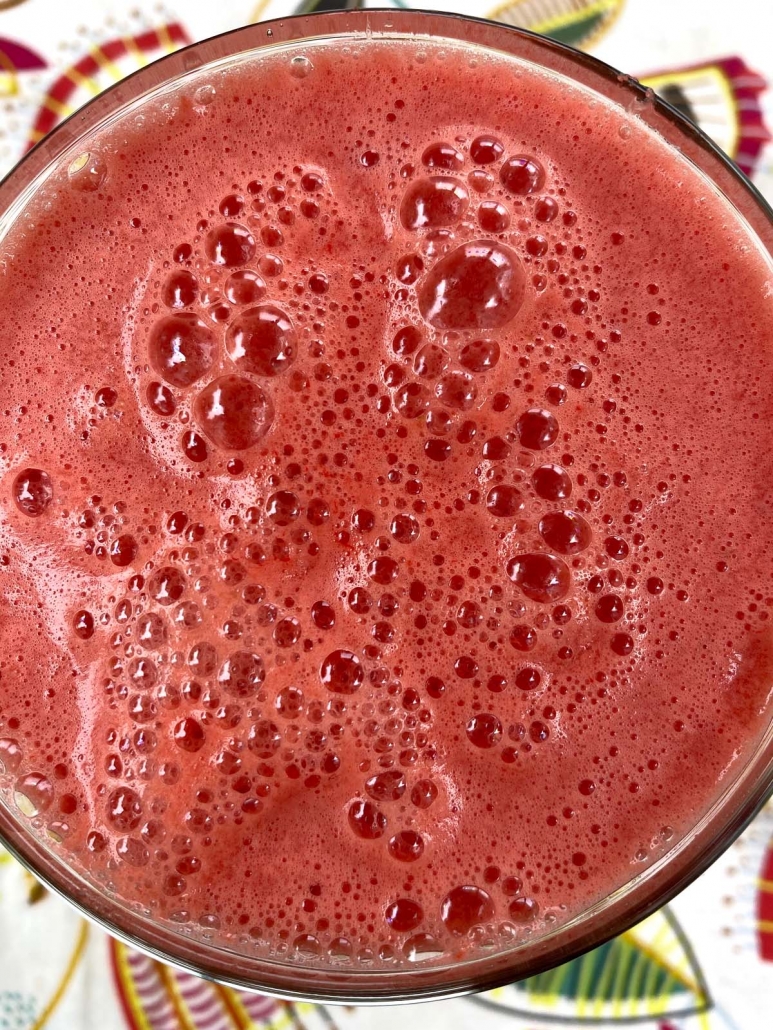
730, 813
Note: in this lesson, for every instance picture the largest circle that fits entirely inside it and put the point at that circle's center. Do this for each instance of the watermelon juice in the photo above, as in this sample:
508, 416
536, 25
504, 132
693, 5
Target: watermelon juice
385, 451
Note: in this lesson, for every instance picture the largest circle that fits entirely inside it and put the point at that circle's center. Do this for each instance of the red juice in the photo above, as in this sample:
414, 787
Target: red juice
386, 449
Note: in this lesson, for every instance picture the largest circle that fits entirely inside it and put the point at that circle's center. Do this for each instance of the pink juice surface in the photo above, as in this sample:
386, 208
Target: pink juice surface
386, 461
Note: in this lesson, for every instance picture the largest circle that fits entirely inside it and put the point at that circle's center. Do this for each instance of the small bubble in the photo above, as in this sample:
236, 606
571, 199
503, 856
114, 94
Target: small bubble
189, 735
484, 730
523, 638
486, 150
406, 846
33, 794
523, 910
123, 550
537, 429
83, 624
504, 501
106, 397
323, 615
341, 672
404, 528
383, 570
542, 577
181, 349
290, 703
124, 809
466, 907
522, 175
480, 285
493, 217
87, 172
234, 412
32, 492
579, 377
403, 915
262, 340
363, 520
161, 399
283, 507
366, 820
480, 355
301, 67
622, 644
551, 483
244, 287
433, 203
204, 96
241, 674
546, 209
609, 608
230, 245
386, 786
423, 793
180, 289
166, 585
456, 390
442, 155
287, 632
565, 532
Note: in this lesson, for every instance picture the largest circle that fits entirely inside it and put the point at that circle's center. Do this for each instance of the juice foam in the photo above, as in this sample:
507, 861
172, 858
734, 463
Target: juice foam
385, 503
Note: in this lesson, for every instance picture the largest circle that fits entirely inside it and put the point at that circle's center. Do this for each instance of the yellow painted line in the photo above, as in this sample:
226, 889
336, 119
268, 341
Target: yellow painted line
104, 62
59, 109
260, 8
168, 43
236, 1012
578, 11
138, 54
562, 20
129, 986
79, 79
677, 973
175, 998
74, 960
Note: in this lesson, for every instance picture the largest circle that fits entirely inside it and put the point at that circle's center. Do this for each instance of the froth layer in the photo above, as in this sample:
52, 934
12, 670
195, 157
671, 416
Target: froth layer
384, 504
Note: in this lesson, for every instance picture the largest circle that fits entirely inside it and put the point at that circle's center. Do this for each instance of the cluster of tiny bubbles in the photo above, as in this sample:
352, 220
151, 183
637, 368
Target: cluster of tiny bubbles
219, 342
224, 328
195, 637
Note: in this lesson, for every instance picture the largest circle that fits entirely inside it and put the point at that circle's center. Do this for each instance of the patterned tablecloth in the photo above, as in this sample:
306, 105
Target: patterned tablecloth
705, 961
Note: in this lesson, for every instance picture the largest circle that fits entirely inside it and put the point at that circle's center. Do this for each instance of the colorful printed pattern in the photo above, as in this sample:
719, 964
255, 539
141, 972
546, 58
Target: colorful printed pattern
156, 997
17, 1010
15, 58
765, 906
100, 68
580, 23
648, 972
723, 98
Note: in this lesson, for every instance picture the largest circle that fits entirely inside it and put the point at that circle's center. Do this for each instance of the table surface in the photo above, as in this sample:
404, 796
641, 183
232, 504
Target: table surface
705, 962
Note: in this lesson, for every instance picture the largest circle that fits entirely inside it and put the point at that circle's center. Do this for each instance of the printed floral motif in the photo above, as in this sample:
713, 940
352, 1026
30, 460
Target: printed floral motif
156, 997
15, 58
723, 98
581, 23
103, 66
650, 971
